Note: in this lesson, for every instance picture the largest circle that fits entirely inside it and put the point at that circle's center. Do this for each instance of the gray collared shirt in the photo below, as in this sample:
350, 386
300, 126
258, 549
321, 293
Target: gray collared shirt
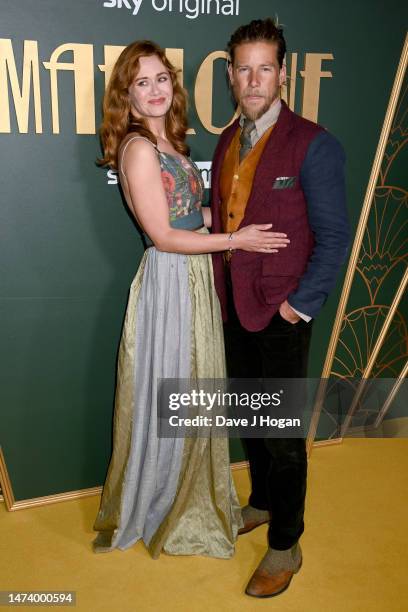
261, 125
265, 122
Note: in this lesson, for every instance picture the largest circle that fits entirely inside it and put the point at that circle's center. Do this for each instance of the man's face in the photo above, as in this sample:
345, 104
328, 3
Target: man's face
256, 77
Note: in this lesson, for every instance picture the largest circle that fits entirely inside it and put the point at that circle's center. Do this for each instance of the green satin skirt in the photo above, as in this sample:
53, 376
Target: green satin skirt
176, 494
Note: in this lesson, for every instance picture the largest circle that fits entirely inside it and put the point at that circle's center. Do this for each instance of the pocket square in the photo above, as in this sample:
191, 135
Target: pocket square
284, 182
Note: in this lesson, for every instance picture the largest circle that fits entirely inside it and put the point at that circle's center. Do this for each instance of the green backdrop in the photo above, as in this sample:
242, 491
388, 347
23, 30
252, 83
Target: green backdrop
69, 248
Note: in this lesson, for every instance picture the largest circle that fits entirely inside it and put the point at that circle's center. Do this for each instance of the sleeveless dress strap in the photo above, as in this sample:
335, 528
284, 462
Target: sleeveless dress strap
125, 147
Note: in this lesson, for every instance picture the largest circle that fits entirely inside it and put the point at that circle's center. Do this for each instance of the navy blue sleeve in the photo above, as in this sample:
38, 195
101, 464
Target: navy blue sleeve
322, 180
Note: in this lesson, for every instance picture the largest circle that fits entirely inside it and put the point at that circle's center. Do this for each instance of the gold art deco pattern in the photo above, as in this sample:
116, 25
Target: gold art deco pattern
379, 272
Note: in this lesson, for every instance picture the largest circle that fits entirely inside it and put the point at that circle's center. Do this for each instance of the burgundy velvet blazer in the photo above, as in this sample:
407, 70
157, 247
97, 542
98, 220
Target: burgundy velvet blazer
262, 281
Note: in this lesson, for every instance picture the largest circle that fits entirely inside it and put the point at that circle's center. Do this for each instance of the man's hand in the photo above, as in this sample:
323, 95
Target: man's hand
286, 312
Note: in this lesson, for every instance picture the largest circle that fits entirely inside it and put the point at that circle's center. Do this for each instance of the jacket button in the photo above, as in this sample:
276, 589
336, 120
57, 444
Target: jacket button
231, 215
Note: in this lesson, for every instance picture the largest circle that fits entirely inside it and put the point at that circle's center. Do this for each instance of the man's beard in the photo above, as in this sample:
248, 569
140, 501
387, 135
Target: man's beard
249, 111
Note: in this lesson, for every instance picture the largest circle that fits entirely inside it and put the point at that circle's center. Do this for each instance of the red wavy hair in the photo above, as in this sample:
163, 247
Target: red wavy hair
117, 117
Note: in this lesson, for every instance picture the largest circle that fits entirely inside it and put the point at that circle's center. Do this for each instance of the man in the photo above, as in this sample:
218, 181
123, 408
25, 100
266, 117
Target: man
272, 166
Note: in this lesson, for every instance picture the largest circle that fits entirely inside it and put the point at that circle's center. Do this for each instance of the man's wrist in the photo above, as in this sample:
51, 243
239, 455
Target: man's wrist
302, 315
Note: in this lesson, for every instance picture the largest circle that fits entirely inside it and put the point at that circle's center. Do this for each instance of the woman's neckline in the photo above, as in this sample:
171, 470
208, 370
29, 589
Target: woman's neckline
179, 157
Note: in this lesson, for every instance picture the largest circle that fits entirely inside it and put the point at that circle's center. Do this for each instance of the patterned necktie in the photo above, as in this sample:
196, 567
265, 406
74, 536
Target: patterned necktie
245, 138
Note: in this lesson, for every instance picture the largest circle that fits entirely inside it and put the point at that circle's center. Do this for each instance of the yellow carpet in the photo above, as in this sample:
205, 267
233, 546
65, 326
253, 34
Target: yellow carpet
355, 548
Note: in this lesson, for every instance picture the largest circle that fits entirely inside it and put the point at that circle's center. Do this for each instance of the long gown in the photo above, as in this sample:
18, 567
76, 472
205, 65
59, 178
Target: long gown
176, 494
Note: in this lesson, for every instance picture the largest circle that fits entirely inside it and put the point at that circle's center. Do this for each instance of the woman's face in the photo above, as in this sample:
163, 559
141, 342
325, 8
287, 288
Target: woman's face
151, 92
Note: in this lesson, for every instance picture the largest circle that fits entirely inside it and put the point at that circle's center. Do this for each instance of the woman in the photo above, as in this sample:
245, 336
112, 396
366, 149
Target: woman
176, 494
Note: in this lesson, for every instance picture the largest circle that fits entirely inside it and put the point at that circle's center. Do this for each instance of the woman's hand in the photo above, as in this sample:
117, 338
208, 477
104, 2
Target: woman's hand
256, 238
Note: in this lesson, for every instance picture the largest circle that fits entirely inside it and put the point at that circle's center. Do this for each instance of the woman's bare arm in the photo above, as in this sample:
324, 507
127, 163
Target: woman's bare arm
207, 216
148, 202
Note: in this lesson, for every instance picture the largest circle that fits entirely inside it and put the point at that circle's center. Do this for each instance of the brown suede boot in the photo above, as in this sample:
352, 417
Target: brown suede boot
252, 518
275, 571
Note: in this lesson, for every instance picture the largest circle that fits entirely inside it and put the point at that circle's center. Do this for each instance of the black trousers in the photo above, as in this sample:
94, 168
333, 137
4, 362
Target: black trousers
278, 466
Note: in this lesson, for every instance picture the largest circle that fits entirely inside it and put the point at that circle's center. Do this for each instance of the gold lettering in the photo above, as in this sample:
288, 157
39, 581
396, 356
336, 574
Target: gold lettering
203, 92
21, 96
311, 87
290, 85
111, 54
84, 86
176, 57
82, 66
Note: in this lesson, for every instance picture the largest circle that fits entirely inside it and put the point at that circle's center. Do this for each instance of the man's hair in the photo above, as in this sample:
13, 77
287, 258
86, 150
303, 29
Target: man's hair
259, 30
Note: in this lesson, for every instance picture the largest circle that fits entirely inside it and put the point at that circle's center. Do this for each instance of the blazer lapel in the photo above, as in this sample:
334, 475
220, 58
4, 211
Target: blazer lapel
275, 146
